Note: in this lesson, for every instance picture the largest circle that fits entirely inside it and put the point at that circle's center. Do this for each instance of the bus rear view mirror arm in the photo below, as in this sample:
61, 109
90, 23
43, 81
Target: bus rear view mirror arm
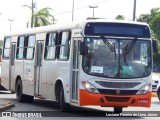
155, 46
83, 48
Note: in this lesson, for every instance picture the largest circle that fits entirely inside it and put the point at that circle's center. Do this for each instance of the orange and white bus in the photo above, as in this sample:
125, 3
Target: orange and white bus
93, 62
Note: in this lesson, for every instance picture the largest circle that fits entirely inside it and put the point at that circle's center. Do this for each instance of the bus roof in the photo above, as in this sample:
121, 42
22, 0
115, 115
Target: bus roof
65, 26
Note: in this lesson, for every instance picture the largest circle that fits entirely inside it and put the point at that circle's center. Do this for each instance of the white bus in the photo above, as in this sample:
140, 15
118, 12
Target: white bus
94, 62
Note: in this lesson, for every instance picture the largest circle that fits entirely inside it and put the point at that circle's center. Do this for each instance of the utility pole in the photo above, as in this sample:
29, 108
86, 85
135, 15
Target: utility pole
10, 20
134, 11
93, 9
73, 10
34, 5
32, 15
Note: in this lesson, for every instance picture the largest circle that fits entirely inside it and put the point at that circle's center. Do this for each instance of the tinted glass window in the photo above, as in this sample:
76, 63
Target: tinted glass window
30, 47
64, 47
20, 47
50, 47
117, 58
6, 48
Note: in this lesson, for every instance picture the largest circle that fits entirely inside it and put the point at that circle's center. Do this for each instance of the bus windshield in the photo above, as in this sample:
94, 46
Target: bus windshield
117, 58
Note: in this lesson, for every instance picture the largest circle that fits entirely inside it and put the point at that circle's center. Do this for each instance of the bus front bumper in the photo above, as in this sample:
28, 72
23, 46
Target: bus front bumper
105, 100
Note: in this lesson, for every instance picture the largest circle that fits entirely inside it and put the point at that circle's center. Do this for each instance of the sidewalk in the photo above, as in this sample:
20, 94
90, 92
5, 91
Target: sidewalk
4, 104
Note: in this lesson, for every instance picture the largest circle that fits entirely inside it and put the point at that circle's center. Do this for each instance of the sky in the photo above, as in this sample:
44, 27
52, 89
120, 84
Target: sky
62, 10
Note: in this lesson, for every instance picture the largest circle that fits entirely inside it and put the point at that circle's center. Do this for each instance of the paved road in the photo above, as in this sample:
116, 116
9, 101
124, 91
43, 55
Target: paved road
77, 113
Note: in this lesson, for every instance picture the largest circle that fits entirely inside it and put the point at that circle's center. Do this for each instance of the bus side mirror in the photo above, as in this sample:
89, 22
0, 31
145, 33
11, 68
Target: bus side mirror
82, 48
155, 46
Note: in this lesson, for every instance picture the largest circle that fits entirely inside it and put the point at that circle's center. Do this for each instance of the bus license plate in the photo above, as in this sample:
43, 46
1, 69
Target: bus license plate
143, 101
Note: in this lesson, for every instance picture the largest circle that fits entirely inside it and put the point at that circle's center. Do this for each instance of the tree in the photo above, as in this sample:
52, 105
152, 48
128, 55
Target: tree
144, 18
148, 17
155, 26
119, 17
40, 18
155, 12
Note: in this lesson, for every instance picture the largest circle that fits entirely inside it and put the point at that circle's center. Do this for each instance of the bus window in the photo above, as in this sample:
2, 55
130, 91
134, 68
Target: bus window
30, 47
50, 47
64, 46
6, 48
20, 47
144, 54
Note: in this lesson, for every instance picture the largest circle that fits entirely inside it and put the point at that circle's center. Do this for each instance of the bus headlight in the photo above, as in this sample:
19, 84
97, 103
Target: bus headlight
145, 89
89, 87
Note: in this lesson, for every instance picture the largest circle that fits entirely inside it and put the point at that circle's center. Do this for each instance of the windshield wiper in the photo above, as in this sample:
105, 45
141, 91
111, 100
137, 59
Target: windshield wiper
110, 46
128, 49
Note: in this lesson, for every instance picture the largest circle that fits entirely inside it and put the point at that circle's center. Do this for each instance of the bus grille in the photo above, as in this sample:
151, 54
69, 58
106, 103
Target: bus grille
113, 92
118, 84
117, 99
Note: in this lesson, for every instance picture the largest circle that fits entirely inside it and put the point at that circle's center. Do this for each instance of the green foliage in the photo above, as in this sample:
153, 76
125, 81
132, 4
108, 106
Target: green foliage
144, 18
155, 26
148, 17
1, 43
120, 17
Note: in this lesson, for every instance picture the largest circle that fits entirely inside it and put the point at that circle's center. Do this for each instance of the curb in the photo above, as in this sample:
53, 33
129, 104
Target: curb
6, 106
154, 95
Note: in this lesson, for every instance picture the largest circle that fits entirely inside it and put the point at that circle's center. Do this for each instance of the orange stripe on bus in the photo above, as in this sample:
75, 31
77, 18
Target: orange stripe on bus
87, 98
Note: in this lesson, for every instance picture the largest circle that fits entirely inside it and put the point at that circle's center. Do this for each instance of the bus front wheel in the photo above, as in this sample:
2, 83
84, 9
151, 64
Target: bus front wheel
63, 105
158, 93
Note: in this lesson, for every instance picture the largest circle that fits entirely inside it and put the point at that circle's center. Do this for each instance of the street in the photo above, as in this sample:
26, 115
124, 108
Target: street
51, 110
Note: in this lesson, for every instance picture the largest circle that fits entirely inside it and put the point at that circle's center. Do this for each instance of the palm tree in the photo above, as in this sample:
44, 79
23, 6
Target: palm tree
40, 18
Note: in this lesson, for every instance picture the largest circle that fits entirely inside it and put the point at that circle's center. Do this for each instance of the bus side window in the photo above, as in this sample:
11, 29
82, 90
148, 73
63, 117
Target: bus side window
6, 47
30, 47
50, 47
20, 47
64, 45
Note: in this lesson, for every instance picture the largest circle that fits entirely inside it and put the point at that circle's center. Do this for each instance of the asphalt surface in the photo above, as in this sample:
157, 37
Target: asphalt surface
6, 104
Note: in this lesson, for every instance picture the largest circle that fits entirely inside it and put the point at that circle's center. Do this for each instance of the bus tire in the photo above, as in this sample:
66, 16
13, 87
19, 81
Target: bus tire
158, 93
118, 109
63, 105
19, 93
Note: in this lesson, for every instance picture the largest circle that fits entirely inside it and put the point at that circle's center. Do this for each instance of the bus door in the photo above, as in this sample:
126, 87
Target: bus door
38, 68
12, 66
75, 70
